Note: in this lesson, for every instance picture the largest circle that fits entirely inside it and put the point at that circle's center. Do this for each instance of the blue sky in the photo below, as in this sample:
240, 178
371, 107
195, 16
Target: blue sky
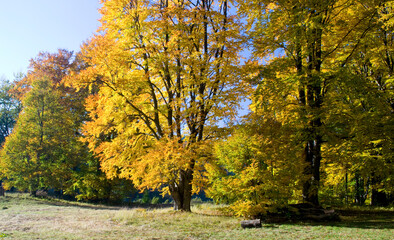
30, 26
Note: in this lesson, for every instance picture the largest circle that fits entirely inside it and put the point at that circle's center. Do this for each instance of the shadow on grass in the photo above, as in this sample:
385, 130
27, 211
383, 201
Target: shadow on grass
147, 206
364, 219
64, 203
371, 219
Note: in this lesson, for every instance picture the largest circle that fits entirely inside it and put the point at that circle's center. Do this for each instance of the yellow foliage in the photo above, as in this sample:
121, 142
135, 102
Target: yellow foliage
254, 169
161, 74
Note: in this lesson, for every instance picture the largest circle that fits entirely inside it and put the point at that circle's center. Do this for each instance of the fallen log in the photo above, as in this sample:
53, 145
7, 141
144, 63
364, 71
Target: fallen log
255, 223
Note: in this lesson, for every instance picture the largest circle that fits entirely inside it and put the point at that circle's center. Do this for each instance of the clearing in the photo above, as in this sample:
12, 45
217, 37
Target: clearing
22, 217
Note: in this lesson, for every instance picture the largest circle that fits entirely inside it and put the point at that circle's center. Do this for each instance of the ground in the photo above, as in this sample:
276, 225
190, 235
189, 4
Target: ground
22, 217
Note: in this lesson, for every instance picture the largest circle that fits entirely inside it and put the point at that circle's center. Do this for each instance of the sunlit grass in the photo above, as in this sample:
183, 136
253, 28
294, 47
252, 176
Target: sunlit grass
22, 217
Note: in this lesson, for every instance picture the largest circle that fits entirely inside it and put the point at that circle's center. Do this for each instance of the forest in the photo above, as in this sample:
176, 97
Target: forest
155, 103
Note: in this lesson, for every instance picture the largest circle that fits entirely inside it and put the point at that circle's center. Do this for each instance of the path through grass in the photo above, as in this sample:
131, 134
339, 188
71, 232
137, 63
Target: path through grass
22, 217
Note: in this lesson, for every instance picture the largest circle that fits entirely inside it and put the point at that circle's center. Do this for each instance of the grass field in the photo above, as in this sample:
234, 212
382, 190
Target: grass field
22, 217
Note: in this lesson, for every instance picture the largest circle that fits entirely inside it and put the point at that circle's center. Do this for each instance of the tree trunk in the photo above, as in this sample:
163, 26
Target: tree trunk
346, 190
312, 170
314, 99
360, 193
182, 192
1, 189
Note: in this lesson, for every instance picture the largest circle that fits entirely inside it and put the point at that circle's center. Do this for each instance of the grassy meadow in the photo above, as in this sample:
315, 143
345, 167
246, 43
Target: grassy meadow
22, 217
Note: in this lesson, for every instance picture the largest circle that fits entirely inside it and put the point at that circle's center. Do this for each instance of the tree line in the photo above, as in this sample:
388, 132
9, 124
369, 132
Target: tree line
151, 102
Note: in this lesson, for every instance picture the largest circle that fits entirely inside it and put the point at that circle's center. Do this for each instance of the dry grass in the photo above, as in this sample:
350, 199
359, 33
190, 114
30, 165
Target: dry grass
24, 218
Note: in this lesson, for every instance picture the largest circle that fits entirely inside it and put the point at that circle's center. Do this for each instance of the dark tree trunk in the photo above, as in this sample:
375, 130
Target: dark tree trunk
1, 189
312, 170
182, 192
346, 190
313, 103
360, 193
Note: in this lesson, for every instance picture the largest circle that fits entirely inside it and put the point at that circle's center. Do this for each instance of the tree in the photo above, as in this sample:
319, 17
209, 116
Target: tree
165, 72
9, 110
54, 113
51, 68
39, 152
305, 45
